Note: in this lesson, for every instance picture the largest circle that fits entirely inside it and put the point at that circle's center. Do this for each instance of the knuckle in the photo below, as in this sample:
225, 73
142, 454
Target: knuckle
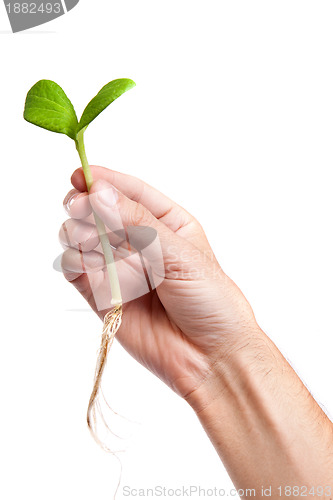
139, 216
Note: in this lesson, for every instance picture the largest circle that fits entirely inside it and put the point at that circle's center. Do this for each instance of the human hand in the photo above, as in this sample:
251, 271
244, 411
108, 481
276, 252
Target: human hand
195, 314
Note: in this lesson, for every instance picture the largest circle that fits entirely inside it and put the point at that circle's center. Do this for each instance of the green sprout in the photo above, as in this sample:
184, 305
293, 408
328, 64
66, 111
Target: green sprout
48, 106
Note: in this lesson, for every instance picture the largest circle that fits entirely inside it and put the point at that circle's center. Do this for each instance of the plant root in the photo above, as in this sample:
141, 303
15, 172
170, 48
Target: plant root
112, 322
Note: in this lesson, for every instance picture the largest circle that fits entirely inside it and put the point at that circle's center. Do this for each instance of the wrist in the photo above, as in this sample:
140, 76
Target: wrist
232, 368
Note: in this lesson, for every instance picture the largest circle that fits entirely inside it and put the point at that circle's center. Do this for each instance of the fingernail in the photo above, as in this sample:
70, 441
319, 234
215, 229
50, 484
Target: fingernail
106, 193
69, 200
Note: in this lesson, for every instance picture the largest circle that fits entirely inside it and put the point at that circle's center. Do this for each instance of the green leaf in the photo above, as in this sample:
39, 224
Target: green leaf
47, 106
105, 96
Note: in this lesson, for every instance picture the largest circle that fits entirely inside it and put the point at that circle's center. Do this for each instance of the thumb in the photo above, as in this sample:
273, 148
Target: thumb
166, 252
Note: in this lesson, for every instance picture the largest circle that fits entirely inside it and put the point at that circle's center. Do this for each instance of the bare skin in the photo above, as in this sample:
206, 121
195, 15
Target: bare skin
197, 333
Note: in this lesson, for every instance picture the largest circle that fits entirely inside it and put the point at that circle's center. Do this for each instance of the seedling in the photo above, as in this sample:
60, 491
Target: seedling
48, 106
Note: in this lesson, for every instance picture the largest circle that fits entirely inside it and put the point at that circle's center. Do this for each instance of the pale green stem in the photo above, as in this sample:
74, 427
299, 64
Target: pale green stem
102, 233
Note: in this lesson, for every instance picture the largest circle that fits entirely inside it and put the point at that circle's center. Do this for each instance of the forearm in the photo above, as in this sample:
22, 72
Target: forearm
263, 422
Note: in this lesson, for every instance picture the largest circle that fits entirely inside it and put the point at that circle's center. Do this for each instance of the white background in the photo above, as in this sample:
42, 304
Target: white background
232, 117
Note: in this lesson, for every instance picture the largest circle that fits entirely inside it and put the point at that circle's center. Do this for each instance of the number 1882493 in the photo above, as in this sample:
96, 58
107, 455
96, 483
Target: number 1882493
33, 8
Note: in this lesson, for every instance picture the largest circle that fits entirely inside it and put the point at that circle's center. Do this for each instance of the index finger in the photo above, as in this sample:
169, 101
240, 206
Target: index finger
162, 207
